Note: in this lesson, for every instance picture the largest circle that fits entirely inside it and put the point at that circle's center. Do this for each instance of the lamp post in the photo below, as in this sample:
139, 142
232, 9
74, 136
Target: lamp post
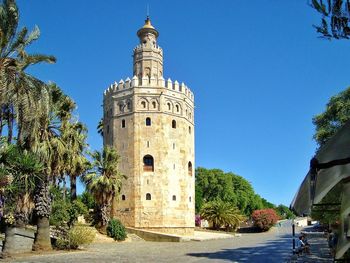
293, 233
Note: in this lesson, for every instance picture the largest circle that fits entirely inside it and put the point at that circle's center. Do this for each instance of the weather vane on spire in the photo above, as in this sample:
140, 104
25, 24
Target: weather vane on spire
147, 10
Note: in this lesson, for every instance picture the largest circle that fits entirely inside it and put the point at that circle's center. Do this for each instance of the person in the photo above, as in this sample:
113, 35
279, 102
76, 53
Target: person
306, 243
300, 245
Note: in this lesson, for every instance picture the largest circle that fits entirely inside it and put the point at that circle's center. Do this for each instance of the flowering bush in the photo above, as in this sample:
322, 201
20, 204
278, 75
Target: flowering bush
197, 220
265, 218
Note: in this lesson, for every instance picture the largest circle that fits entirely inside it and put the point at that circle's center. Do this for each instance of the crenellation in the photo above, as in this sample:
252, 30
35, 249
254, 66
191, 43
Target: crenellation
176, 85
161, 82
127, 83
169, 83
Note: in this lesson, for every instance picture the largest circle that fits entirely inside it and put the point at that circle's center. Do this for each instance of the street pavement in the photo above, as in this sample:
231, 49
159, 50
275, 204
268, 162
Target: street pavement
270, 247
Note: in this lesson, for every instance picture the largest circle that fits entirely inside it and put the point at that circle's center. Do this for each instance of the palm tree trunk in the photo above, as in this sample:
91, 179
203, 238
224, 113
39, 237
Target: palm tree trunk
9, 125
1, 121
73, 188
42, 239
43, 209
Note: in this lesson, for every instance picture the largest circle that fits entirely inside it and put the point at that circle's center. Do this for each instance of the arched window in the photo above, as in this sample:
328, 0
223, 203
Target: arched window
173, 124
154, 104
123, 197
174, 197
148, 196
190, 168
148, 121
129, 105
169, 106
189, 129
148, 163
107, 129
177, 108
123, 123
190, 199
143, 104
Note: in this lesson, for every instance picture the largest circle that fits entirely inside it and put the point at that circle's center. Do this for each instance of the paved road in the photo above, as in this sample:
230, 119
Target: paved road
274, 246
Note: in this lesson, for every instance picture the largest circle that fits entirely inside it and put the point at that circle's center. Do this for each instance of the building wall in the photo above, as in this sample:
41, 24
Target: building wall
171, 148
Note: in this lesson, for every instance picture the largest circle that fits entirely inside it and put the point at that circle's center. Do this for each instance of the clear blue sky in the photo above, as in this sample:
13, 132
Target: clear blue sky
258, 70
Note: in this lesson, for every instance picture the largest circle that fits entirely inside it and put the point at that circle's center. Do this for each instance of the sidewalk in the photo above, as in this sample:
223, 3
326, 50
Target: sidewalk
319, 249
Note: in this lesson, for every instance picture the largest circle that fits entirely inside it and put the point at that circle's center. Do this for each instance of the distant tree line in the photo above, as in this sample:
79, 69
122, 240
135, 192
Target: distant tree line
215, 184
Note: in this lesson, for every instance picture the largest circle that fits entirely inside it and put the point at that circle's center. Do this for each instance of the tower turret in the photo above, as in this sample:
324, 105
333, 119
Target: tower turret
148, 56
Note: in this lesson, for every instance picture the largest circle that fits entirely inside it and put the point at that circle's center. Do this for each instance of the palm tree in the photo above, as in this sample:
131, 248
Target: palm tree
75, 135
18, 90
26, 171
104, 181
220, 214
46, 141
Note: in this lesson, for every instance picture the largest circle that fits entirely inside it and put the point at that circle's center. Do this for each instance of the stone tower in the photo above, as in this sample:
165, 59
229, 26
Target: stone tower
150, 122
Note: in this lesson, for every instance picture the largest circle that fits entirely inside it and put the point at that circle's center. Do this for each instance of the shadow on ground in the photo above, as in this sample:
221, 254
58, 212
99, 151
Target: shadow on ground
271, 251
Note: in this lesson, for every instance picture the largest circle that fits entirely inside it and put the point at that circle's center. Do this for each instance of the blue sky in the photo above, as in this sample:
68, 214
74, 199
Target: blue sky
258, 70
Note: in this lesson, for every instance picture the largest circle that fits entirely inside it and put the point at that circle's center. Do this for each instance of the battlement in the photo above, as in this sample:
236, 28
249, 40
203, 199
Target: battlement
145, 82
142, 46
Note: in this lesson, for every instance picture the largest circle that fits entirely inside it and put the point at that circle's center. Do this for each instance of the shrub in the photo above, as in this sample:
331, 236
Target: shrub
264, 219
221, 214
116, 230
78, 235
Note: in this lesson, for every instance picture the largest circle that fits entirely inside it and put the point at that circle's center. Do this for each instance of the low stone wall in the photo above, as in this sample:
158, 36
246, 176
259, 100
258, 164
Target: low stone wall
154, 236
20, 240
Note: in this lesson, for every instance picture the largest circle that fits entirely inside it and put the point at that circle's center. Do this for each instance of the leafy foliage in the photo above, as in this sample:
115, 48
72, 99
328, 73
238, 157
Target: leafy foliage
22, 171
214, 184
88, 200
104, 181
337, 113
116, 230
221, 214
64, 212
264, 219
77, 236
284, 212
335, 18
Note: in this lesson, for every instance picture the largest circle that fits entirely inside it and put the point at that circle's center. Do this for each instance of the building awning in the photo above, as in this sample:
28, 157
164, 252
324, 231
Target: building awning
333, 165
328, 168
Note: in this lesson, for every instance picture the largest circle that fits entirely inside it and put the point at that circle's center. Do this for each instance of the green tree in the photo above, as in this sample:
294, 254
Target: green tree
48, 144
284, 212
221, 214
25, 172
335, 18
337, 113
19, 91
104, 181
214, 184
74, 135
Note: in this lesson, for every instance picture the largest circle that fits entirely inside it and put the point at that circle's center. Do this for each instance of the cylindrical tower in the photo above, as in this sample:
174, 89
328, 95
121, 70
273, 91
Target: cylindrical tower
150, 122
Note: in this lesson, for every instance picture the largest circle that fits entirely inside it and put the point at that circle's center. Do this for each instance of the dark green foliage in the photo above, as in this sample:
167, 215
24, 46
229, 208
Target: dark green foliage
214, 184
65, 212
267, 204
116, 230
284, 212
221, 214
87, 199
335, 18
337, 113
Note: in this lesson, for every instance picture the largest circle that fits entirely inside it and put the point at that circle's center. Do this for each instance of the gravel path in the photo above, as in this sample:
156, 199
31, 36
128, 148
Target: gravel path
274, 246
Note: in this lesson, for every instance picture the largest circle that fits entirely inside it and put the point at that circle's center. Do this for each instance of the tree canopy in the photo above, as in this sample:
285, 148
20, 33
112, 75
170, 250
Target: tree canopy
335, 18
214, 184
337, 113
